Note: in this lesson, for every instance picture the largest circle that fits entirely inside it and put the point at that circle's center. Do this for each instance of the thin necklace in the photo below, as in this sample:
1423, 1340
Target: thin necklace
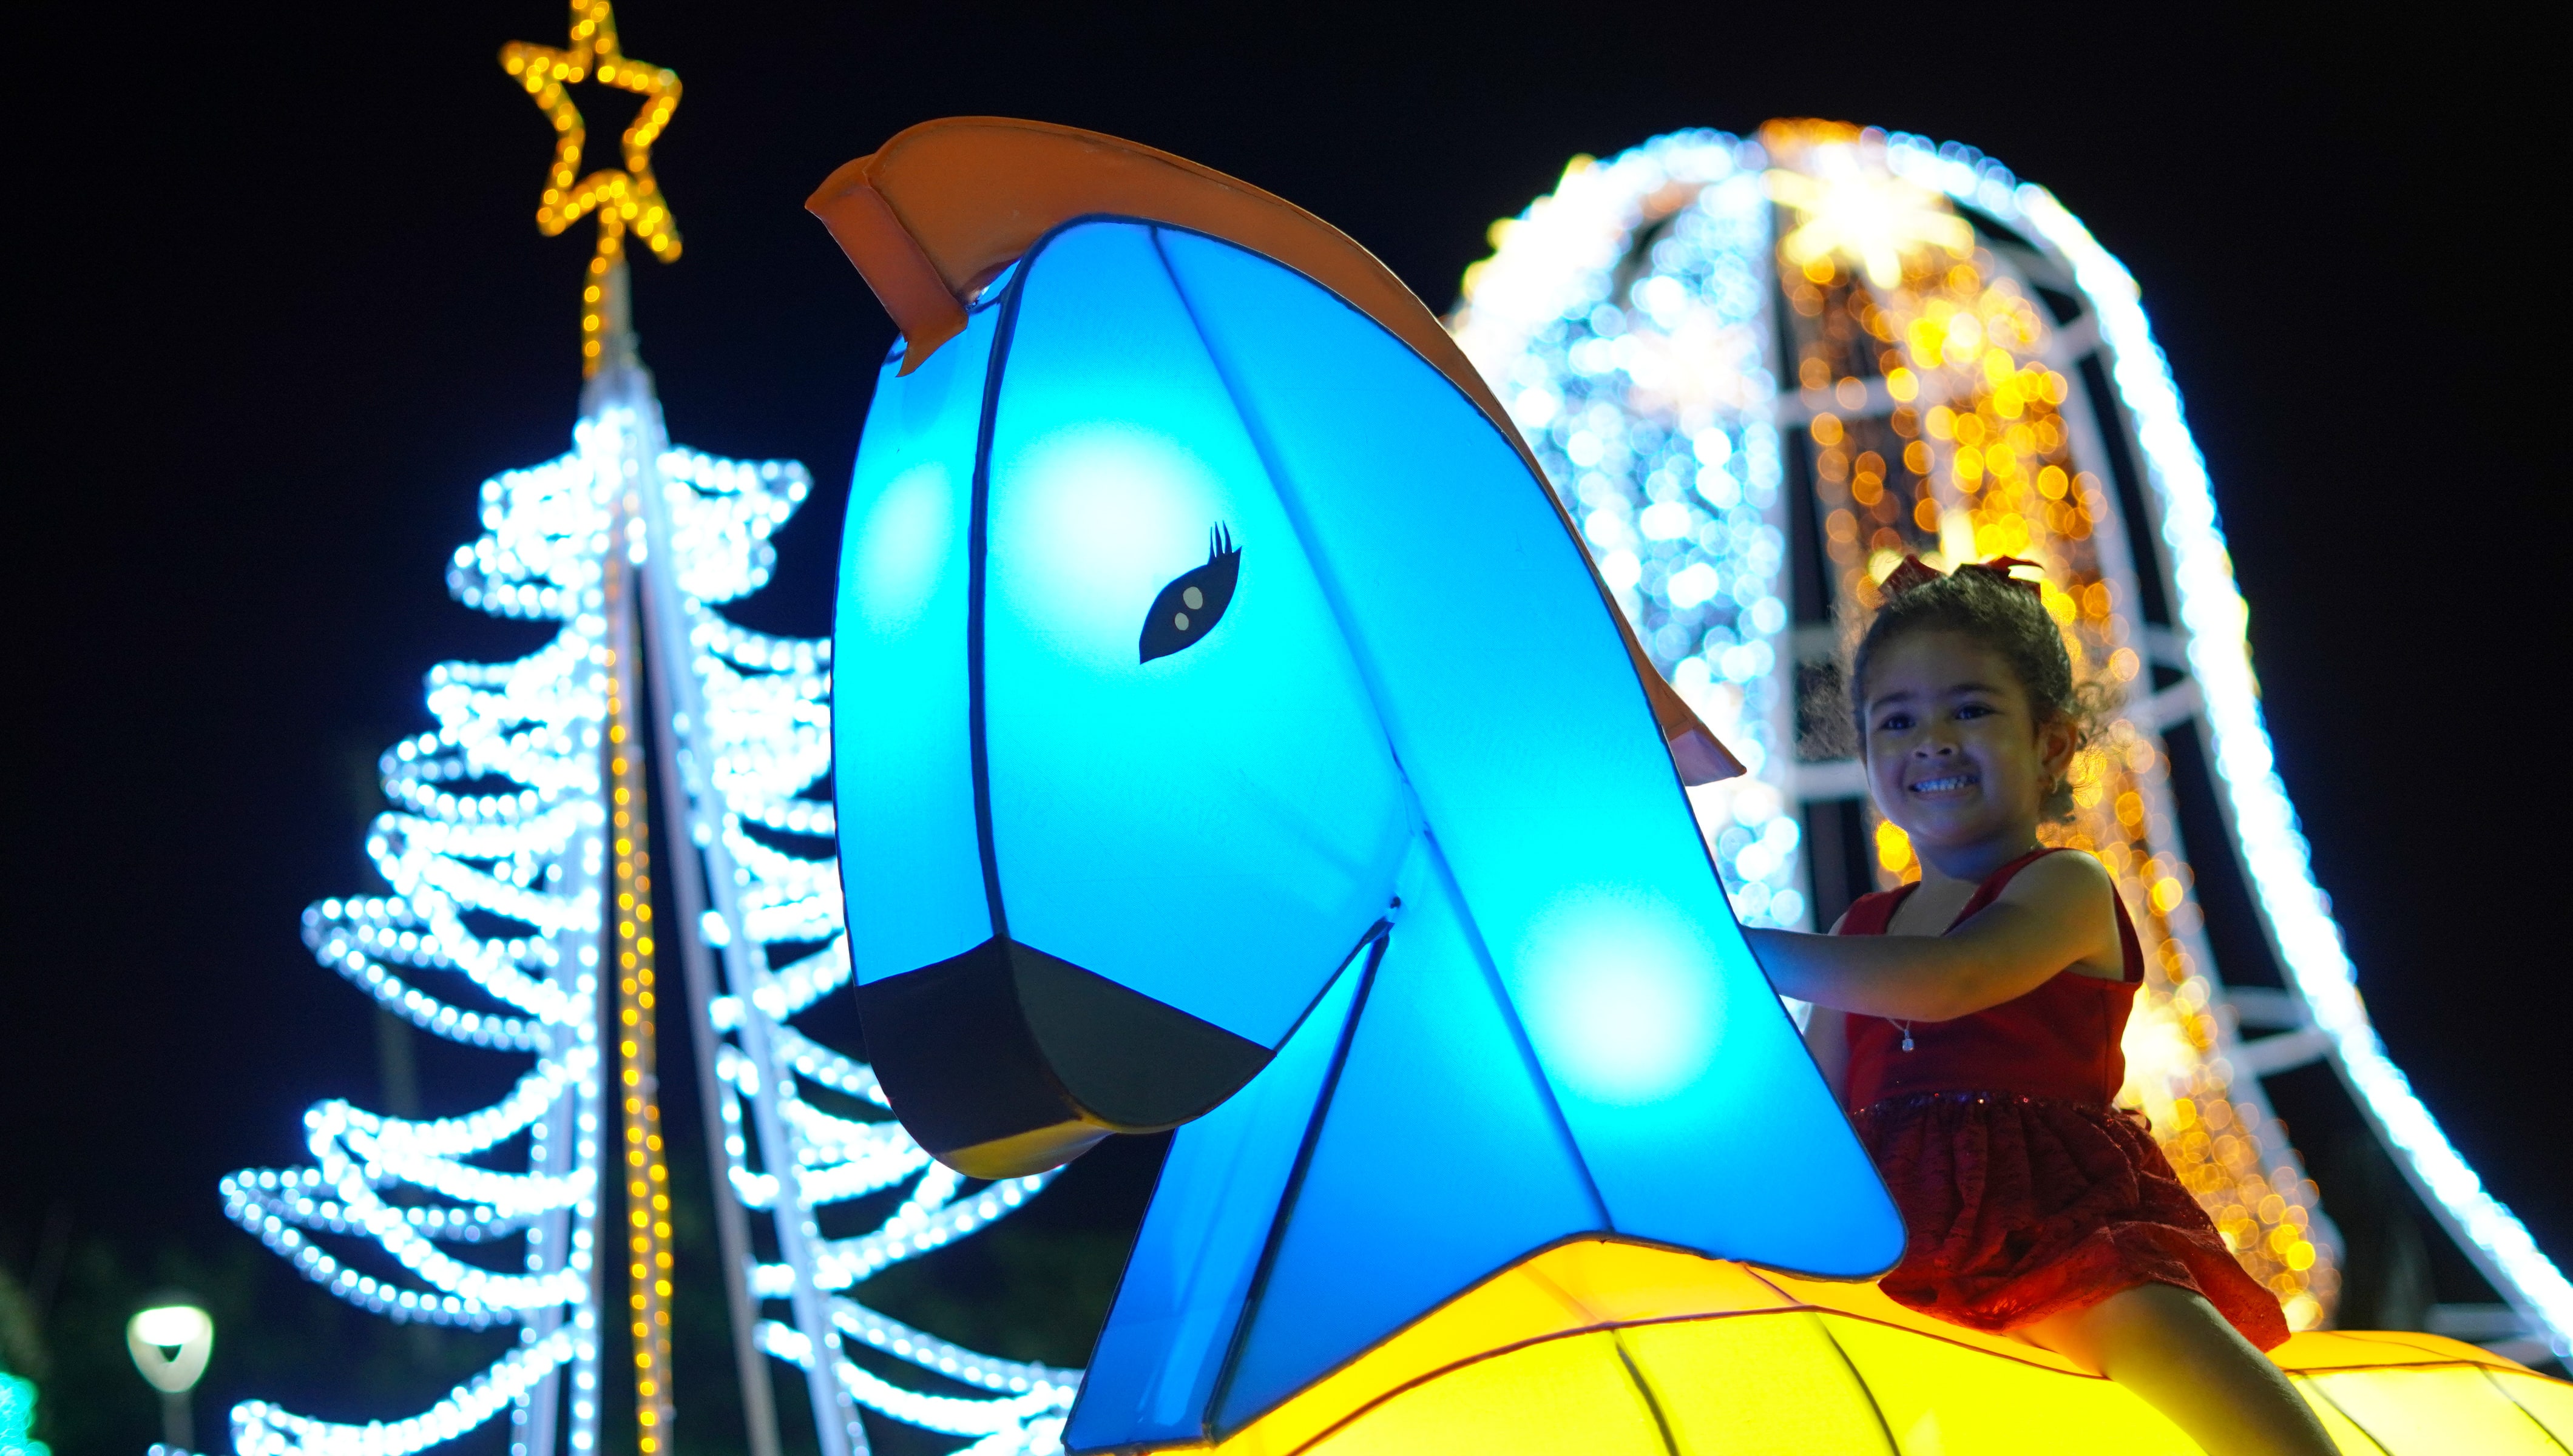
1907, 1026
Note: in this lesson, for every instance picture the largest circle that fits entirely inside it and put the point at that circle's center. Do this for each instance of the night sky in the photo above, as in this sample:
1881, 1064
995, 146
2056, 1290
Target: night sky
281, 307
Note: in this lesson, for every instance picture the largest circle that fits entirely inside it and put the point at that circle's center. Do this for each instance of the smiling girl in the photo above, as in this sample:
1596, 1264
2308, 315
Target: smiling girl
1971, 1024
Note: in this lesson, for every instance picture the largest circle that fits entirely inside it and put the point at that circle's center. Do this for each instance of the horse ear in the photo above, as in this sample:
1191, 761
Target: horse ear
942, 208
905, 281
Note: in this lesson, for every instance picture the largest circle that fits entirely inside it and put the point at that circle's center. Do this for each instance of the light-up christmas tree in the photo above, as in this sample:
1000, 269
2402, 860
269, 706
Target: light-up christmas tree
521, 920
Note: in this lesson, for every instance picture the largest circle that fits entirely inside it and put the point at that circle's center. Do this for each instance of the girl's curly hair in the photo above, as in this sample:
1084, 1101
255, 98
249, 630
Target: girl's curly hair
1984, 603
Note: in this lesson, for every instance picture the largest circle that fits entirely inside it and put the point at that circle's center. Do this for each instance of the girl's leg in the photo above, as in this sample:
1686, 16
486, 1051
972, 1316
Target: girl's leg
2170, 1347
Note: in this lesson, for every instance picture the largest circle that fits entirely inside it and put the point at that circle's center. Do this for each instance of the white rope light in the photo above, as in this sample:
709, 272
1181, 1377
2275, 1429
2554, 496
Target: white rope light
260, 1429
1652, 412
1028, 1424
493, 849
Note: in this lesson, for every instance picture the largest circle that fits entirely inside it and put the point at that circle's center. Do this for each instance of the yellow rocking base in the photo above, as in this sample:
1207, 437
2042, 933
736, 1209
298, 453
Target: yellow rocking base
1613, 1349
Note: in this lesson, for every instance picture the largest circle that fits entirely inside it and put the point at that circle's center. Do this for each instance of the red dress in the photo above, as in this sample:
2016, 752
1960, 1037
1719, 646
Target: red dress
2023, 1192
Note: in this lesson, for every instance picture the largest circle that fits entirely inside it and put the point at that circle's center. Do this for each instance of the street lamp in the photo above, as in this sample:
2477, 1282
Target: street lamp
171, 1339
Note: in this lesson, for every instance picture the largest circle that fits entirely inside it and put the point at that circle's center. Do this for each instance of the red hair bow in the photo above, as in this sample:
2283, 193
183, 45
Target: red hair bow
1915, 572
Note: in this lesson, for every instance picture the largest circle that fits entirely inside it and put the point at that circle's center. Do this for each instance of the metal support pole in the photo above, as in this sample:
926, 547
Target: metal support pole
178, 1422
733, 1224
835, 1416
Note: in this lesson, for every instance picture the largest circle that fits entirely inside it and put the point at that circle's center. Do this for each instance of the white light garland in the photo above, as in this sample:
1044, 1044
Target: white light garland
493, 847
1651, 409
1030, 1423
260, 1429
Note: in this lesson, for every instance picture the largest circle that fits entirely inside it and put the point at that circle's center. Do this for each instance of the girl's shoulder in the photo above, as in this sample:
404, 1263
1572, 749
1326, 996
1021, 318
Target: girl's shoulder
1871, 912
2073, 890
2067, 878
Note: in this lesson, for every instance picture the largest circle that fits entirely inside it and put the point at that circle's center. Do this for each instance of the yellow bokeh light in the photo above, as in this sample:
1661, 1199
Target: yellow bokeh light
1893, 846
1860, 213
648, 1241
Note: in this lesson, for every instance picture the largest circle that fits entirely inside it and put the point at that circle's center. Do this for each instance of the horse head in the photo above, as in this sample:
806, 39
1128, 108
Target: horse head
1232, 732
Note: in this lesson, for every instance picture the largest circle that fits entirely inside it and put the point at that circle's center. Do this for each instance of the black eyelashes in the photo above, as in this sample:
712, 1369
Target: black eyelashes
1188, 608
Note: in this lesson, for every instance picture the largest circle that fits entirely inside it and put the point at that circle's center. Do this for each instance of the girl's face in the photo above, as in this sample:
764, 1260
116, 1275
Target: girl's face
1954, 754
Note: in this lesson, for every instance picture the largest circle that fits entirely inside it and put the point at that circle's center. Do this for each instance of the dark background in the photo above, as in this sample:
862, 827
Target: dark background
280, 305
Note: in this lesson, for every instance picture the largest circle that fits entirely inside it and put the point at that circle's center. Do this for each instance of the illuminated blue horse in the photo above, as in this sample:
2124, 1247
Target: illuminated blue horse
1232, 734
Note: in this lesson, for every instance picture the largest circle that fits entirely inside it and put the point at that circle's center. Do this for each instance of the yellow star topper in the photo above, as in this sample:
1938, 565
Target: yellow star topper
623, 199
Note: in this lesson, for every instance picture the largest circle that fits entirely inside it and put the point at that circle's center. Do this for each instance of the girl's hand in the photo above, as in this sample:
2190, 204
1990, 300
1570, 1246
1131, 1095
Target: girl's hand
2055, 915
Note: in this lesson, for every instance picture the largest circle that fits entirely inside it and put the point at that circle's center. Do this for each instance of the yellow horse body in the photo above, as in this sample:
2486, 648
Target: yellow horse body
1606, 1348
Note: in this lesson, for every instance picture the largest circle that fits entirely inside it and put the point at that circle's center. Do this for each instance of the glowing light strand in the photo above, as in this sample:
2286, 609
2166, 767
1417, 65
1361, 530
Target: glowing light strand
646, 1172
1652, 411
522, 851
260, 1429
751, 713
497, 848
1022, 1425
501, 821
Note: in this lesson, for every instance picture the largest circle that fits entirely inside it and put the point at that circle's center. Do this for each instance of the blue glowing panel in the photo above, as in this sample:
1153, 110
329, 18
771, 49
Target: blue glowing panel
1499, 677
1153, 1372
1190, 792
1230, 552
909, 859
1440, 1161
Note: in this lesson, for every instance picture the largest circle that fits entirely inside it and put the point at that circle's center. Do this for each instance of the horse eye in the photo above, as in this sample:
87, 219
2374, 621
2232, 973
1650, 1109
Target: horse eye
1193, 603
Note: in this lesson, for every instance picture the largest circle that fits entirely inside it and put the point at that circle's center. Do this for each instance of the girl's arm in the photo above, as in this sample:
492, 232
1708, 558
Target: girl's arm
2054, 914
1827, 1039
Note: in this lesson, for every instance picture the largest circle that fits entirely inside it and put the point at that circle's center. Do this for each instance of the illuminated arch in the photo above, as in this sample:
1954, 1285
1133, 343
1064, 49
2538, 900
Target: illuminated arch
1738, 359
